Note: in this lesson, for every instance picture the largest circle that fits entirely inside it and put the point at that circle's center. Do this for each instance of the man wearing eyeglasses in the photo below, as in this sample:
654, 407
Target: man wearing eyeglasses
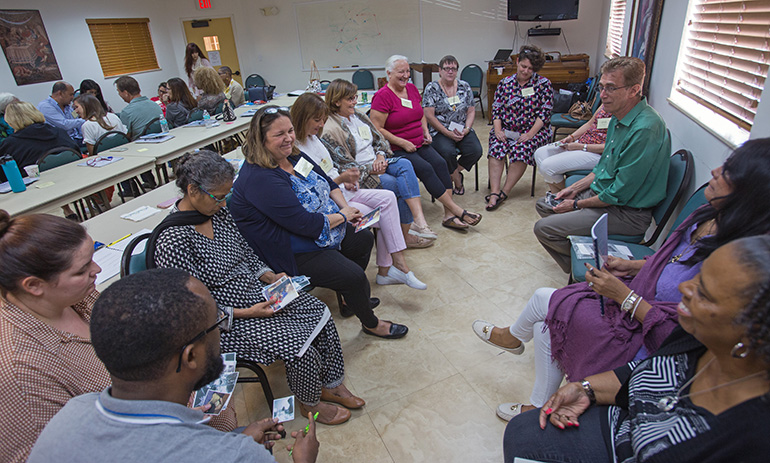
157, 333
630, 178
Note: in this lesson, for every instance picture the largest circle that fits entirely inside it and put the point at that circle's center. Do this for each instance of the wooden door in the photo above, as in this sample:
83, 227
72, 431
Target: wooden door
217, 40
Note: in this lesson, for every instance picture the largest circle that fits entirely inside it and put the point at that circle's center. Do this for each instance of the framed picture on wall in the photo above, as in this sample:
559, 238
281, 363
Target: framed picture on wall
27, 48
644, 34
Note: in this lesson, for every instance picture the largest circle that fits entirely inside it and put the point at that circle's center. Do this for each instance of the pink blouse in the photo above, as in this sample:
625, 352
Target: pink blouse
402, 121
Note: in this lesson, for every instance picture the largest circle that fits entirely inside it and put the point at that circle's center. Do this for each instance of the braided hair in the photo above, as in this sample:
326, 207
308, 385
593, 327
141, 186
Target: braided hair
754, 253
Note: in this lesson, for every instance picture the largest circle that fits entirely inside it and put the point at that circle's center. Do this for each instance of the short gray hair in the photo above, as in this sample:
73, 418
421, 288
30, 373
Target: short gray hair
202, 168
391, 62
5, 100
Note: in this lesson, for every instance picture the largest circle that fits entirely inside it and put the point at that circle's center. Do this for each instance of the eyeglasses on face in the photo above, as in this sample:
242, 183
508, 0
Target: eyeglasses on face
218, 200
449, 69
609, 88
221, 323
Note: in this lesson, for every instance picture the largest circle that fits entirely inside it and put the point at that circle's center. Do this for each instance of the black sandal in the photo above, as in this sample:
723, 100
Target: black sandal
501, 197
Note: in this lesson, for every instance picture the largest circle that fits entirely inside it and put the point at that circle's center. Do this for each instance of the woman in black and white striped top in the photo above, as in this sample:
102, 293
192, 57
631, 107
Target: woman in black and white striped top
704, 396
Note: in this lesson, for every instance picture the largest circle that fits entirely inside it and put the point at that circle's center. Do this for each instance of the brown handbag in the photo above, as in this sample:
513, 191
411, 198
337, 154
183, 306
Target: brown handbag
581, 111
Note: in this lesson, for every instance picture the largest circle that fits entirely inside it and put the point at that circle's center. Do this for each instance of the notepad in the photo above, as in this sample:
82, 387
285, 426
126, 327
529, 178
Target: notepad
108, 257
6, 187
141, 213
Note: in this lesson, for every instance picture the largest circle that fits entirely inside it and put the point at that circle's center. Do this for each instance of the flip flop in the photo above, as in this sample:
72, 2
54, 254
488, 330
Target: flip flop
460, 191
450, 223
473, 216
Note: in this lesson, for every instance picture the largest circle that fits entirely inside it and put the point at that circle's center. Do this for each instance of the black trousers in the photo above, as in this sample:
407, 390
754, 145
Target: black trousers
430, 168
343, 271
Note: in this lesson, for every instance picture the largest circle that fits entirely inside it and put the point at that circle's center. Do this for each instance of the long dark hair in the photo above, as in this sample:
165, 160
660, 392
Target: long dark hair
94, 111
746, 210
89, 84
188, 59
180, 93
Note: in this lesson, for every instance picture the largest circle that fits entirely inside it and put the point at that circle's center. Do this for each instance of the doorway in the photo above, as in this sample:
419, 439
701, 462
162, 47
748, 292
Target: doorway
215, 37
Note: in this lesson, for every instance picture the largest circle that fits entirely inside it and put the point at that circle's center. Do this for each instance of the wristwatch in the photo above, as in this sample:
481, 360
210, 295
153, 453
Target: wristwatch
575, 205
585, 147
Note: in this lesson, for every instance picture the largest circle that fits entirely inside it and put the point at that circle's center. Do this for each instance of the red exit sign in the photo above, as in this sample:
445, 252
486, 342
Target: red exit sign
204, 4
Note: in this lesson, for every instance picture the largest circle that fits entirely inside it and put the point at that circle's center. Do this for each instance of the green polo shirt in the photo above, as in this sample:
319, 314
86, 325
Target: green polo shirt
138, 114
633, 169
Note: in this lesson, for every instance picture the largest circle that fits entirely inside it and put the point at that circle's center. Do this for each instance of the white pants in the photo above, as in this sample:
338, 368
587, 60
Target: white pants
553, 161
530, 325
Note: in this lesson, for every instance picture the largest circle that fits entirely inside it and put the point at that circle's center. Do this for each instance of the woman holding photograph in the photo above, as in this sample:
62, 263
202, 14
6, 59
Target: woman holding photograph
201, 238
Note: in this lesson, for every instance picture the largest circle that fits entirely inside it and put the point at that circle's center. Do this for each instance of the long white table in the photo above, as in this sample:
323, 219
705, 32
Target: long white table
189, 138
72, 182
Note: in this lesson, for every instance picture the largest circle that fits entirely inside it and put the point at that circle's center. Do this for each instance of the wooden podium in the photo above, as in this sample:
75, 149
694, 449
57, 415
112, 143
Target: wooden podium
564, 70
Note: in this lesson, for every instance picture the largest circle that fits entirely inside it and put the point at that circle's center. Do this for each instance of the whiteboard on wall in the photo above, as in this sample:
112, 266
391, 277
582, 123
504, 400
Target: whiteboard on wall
357, 33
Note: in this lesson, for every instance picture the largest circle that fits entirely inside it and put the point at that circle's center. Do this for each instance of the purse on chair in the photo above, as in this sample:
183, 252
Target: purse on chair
581, 111
264, 93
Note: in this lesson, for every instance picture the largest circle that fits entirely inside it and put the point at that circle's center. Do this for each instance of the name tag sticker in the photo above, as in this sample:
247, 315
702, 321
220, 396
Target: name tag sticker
364, 131
603, 122
406, 103
529, 91
303, 167
453, 100
326, 165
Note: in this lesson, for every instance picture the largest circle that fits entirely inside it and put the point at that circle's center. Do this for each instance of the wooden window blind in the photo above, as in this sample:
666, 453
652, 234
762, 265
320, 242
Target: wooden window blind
615, 29
726, 57
123, 46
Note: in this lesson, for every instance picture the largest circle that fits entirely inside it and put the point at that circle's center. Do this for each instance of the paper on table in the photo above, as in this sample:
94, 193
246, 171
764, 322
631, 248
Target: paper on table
108, 257
141, 213
6, 187
100, 161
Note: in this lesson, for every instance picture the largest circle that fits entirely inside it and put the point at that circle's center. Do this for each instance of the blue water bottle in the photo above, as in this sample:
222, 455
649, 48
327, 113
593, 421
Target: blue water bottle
12, 173
163, 124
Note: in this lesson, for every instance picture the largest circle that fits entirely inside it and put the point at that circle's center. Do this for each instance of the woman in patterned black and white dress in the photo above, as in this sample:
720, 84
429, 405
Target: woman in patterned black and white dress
201, 238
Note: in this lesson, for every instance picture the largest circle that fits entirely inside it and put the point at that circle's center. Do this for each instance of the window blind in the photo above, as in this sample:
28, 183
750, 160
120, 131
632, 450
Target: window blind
123, 46
615, 29
725, 60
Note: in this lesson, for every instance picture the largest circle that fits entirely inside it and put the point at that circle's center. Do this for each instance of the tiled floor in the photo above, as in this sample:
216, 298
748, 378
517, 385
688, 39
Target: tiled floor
431, 396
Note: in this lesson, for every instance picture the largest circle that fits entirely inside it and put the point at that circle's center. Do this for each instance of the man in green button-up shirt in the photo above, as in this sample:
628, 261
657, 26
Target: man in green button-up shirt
630, 178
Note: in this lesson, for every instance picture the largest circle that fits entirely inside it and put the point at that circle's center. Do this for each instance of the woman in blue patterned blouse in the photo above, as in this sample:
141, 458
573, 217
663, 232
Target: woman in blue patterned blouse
296, 219
521, 115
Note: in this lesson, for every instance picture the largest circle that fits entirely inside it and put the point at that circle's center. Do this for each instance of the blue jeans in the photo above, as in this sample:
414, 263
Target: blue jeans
399, 178
523, 438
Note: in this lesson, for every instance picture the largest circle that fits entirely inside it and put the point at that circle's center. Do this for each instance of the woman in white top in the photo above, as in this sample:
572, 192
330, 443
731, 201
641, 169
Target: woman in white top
97, 122
308, 114
194, 59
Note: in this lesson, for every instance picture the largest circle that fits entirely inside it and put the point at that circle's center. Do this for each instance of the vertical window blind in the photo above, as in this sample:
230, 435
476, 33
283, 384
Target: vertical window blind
615, 29
123, 46
725, 59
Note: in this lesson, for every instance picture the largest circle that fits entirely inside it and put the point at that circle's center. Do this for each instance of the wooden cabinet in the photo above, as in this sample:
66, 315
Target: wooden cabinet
564, 70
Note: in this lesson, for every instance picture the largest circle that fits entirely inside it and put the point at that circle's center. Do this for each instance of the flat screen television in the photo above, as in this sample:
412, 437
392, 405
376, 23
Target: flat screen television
542, 10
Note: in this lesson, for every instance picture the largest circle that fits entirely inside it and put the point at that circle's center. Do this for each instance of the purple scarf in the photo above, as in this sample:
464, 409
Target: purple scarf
585, 343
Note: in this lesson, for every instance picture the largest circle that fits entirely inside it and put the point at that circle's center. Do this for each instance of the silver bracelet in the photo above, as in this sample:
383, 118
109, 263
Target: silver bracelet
636, 306
629, 301
589, 391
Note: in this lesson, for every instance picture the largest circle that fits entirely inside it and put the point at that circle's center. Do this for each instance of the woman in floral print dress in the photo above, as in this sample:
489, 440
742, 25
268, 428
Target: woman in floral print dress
521, 116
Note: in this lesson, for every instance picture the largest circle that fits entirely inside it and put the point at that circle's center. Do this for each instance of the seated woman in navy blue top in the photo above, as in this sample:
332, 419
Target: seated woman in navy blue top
296, 219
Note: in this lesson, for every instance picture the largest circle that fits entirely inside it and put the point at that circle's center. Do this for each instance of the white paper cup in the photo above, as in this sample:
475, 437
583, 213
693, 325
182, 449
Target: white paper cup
33, 170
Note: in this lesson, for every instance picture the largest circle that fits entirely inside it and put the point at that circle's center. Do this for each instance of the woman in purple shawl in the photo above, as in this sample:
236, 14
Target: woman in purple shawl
572, 337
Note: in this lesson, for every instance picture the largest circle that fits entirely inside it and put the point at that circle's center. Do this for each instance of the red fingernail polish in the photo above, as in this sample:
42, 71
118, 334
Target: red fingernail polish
548, 412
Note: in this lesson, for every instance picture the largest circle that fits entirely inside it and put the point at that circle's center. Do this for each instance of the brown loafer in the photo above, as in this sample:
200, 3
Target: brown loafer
342, 415
347, 402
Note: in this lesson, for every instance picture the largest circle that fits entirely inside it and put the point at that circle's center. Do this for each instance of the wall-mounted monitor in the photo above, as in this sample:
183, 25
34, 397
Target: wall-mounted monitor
542, 10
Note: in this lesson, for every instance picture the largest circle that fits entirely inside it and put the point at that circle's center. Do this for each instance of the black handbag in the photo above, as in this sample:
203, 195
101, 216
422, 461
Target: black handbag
562, 102
264, 93
228, 115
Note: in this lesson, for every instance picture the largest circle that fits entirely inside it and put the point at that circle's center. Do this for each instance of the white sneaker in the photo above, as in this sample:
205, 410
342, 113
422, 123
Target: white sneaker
422, 232
507, 411
397, 277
